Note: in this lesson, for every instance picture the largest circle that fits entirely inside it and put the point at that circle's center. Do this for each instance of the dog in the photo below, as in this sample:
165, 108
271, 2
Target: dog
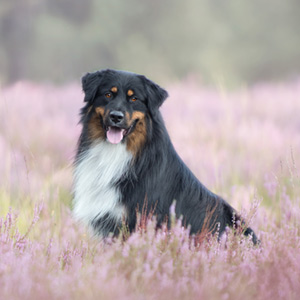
126, 163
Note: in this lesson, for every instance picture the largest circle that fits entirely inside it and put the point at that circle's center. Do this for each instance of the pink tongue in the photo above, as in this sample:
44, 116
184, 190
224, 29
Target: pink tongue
114, 135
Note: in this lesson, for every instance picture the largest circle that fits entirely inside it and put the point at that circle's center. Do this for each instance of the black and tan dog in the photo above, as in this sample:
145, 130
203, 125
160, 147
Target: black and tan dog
125, 157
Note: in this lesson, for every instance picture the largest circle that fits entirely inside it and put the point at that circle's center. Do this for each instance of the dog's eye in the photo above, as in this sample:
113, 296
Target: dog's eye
108, 95
133, 99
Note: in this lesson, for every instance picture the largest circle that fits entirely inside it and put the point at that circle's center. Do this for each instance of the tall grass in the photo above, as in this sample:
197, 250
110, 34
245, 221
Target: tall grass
243, 145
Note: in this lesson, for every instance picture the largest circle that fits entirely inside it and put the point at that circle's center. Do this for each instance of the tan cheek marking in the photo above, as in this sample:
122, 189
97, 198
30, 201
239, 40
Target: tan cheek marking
138, 115
130, 93
114, 89
95, 128
100, 111
137, 138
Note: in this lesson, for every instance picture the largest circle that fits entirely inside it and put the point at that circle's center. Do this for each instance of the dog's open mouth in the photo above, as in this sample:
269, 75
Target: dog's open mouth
116, 134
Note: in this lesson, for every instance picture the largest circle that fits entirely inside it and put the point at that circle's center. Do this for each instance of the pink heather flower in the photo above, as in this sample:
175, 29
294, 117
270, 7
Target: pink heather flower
238, 149
271, 185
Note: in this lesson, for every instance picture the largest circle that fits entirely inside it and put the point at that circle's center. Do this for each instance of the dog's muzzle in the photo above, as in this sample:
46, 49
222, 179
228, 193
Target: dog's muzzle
117, 127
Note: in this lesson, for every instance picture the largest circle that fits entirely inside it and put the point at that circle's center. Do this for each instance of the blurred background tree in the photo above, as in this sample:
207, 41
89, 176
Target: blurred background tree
230, 41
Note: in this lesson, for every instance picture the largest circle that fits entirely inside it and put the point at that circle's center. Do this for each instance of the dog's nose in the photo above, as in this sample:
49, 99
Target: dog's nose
116, 116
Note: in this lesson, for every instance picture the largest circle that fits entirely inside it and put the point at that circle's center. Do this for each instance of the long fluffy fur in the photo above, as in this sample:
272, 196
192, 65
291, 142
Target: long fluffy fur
113, 182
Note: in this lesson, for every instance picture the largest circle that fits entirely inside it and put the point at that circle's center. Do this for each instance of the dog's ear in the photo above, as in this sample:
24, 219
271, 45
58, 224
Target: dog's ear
155, 95
90, 84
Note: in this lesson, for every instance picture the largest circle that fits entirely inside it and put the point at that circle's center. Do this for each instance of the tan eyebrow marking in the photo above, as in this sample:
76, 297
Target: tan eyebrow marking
130, 93
114, 89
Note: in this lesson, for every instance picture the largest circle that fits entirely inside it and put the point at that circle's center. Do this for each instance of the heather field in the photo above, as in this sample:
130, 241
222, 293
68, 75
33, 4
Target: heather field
243, 144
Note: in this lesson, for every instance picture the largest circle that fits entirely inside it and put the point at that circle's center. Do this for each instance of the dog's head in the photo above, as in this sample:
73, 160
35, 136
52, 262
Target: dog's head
119, 106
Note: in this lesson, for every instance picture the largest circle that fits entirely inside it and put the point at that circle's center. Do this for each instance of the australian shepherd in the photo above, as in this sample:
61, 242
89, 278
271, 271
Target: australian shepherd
126, 163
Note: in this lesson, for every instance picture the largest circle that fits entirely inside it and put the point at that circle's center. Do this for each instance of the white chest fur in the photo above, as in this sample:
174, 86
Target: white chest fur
95, 176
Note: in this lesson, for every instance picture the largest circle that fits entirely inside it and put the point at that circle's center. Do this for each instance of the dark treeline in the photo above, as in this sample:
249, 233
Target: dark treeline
233, 41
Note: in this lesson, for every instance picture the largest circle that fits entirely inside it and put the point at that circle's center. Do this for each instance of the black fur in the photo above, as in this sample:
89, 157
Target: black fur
157, 175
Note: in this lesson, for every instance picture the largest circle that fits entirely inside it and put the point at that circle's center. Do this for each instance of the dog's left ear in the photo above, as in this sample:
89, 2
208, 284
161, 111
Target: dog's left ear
90, 85
155, 95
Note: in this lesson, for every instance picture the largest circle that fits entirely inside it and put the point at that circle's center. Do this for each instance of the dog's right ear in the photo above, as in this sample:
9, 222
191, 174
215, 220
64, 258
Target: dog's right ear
90, 84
